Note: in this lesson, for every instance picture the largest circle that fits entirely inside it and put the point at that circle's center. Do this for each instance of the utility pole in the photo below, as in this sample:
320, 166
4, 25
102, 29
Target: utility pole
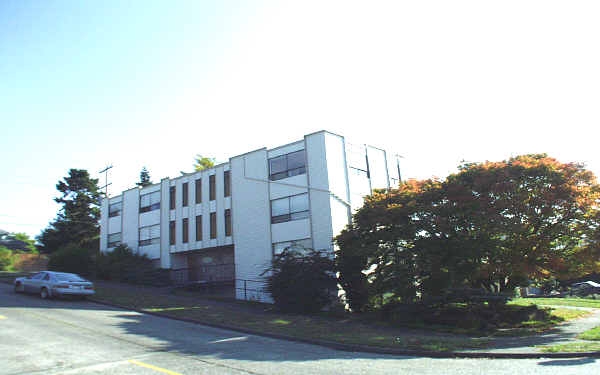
105, 187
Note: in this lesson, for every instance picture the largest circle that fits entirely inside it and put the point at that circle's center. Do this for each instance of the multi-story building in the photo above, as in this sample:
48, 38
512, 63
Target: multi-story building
227, 222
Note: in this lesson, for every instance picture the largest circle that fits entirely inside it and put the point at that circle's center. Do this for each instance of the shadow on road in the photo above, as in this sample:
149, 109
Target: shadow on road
567, 362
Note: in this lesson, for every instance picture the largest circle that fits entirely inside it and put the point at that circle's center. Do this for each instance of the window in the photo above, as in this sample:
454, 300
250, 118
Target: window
172, 233
212, 188
114, 239
199, 228
289, 208
172, 198
298, 245
185, 230
213, 225
114, 209
184, 193
149, 235
227, 223
198, 191
150, 202
227, 183
288, 165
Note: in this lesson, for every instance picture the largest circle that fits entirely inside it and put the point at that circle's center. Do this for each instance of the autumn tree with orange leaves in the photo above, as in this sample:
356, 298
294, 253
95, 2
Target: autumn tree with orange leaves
492, 225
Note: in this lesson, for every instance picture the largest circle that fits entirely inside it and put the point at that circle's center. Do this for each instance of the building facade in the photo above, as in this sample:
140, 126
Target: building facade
226, 223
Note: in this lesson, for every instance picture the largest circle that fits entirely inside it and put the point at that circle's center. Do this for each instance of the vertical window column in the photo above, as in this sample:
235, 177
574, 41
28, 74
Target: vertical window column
172, 232
185, 230
213, 225
227, 183
212, 188
184, 194
198, 191
172, 198
227, 222
199, 228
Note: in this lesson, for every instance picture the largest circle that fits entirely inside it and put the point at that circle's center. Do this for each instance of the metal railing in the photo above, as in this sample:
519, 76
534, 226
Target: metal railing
213, 273
252, 290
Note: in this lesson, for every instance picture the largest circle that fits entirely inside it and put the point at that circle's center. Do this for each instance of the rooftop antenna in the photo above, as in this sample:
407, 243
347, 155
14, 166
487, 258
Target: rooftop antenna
106, 183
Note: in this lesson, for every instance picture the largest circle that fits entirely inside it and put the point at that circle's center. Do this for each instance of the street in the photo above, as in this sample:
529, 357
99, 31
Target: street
79, 337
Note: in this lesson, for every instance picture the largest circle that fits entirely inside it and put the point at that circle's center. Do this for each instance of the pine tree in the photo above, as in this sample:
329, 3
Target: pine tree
77, 220
144, 178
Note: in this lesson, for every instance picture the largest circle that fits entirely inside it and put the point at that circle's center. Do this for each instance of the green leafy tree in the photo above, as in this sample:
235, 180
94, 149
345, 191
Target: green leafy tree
144, 178
202, 163
77, 220
301, 281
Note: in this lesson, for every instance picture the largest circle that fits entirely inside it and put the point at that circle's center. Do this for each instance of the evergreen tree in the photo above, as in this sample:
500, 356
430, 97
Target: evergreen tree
77, 220
144, 178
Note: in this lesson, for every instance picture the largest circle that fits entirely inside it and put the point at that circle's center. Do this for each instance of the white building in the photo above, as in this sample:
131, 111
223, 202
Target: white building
226, 222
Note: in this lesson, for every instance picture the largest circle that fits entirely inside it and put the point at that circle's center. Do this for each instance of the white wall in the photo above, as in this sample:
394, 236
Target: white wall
251, 216
104, 225
130, 212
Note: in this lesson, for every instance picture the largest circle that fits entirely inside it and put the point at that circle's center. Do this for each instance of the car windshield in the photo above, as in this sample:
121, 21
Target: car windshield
68, 277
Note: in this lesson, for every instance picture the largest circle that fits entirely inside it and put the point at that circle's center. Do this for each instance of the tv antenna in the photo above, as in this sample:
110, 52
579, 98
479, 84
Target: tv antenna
106, 183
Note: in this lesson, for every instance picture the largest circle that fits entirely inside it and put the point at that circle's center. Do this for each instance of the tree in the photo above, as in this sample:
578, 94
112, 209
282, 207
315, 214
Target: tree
494, 225
301, 281
202, 163
77, 220
144, 178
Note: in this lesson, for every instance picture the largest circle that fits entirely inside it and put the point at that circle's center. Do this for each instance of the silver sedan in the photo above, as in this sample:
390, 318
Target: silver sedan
50, 284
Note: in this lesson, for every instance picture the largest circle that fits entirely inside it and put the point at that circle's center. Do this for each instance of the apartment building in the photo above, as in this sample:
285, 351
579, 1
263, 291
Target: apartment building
227, 222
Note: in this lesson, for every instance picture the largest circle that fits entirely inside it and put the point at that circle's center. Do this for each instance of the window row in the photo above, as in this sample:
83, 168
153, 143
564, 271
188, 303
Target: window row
114, 239
185, 230
289, 208
212, 190
114, 209
297, 245
288, 165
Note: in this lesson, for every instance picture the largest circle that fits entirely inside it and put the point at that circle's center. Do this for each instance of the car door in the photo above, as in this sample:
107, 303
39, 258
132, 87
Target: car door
31, 285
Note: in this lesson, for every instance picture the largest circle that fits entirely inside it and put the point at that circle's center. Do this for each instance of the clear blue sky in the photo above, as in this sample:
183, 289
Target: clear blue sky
152, 83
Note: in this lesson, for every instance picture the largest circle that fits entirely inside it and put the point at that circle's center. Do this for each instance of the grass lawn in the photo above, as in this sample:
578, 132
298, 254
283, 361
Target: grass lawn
592, 334
263, 318
572, 347
576, 302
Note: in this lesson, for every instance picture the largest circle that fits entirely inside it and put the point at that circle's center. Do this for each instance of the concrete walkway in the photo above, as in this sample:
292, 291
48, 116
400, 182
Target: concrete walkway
563, 334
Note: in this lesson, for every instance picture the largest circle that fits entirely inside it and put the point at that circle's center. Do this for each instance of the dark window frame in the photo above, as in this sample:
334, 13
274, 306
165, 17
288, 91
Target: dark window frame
212, 187
199, 228
213, 225
117, 212
226, 184
185, 230
172, 232
152, 206
151, 240
288, 172
228, 227
199, 191
291, 216
172, 197
184, 194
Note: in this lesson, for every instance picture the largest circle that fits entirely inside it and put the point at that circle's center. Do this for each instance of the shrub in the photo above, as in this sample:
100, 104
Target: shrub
72, 258
301, 281
5, 258
123, 265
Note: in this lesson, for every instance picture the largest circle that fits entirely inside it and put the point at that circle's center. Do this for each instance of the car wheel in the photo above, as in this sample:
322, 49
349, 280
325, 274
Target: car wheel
44, 293
17, 287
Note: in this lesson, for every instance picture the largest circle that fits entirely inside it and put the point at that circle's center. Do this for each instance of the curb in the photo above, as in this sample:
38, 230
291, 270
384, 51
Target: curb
364, 348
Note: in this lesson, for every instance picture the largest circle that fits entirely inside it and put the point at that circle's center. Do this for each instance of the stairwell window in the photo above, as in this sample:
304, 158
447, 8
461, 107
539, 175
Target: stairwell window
199, 228
198, 191
172, 232
114, 209
149, 235
150, 202
289, 208
288, 165
213, 225
227, 183
114, 239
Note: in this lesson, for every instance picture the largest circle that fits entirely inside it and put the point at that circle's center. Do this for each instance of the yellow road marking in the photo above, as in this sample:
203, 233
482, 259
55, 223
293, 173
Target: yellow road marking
153, 367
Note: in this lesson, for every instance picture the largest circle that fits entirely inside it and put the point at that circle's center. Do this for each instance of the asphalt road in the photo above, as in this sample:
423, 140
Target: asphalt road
78, 337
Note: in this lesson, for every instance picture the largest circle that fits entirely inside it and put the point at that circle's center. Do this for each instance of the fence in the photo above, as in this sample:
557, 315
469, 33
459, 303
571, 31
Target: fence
252, 290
